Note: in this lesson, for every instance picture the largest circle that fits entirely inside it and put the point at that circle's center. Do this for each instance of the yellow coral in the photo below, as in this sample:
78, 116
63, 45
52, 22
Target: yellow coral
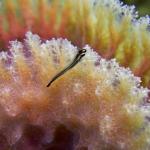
97, 100
108, 26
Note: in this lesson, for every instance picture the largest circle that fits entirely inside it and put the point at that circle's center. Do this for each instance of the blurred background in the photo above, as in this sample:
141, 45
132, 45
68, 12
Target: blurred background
143, 6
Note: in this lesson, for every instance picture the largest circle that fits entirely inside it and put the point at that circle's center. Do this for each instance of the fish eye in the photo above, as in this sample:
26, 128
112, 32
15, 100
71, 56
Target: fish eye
82, 51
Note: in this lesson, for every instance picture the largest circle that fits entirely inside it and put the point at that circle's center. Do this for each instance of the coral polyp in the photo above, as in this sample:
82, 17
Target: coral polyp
96, 105
109, 26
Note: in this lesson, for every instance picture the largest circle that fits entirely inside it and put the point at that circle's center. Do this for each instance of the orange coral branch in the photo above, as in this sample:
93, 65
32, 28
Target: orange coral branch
143, 67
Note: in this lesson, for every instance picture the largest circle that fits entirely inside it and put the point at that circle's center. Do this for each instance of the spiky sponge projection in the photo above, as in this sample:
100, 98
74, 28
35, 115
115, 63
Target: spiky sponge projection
97, 105
108, 26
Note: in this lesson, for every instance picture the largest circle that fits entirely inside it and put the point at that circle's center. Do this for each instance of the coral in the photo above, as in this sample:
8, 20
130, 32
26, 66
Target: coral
106, 25
97, 105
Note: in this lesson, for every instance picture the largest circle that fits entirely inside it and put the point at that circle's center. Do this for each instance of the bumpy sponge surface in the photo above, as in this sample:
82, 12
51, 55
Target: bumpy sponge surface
97, 105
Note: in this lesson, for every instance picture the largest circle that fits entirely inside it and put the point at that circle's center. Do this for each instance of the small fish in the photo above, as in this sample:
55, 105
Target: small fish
80, 54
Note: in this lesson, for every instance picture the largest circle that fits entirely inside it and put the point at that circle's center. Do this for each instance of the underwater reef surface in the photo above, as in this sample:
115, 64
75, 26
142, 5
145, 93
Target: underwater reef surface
97, 105
108, 26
